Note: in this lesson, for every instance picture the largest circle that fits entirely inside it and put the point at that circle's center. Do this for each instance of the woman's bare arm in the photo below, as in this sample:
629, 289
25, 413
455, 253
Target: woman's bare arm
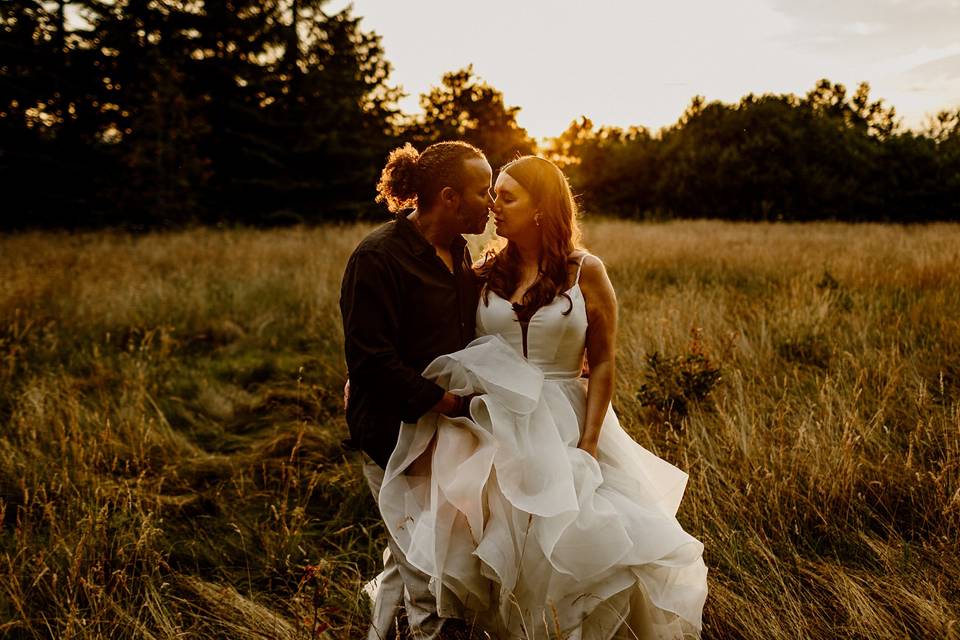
601, 303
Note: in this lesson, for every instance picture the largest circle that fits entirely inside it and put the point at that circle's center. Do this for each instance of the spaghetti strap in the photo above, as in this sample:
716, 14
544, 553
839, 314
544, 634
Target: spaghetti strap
580, 268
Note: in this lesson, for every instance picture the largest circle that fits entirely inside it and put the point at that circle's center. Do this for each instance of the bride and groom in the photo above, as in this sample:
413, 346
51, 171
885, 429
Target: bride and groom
513, 499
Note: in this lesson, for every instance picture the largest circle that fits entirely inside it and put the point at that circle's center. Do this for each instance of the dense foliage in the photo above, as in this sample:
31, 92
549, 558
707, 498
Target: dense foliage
827, 155
156, 113
166, 113
466, 108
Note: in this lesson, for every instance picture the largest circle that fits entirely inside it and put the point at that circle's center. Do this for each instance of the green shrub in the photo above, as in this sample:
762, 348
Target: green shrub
671, 383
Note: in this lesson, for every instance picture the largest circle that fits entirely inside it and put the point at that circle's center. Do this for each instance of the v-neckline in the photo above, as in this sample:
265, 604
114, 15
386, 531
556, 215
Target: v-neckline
525, 326
567, 291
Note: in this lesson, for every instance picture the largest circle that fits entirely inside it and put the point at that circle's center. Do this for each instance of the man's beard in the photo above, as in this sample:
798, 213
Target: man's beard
471, 221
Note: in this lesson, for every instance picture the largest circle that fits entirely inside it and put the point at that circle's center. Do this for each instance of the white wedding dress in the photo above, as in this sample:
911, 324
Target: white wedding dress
521, 533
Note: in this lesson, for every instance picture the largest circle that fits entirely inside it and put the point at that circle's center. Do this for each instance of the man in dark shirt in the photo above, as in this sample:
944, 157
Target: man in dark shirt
409, 295
402, 307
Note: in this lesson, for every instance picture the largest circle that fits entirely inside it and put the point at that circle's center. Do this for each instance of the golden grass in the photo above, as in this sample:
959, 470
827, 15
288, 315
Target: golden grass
170, 461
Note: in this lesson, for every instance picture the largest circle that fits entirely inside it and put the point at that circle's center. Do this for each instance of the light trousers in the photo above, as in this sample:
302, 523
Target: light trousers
400, 582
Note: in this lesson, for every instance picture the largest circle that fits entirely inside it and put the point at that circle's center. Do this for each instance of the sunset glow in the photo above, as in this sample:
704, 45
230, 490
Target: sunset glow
639, 63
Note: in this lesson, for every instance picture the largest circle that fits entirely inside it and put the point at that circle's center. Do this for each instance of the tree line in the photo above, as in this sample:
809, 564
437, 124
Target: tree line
825, 155
162, 113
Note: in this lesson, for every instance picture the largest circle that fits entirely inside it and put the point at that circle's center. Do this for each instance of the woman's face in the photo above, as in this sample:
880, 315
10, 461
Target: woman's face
513, 209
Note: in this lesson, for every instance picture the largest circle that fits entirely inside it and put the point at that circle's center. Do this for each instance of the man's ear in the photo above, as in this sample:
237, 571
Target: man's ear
450, 197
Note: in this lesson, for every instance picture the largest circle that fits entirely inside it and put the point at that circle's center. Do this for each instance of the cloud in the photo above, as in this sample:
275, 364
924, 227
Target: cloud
871, 27
947, 67
911, 63
865, 28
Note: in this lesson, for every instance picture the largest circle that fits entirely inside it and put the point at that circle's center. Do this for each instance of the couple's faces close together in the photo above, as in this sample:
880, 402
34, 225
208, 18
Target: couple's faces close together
475, 200
514, 211
512, 206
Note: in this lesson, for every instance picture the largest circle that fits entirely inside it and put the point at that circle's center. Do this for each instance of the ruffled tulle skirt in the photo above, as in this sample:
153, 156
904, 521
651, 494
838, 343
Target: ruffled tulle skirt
524, 534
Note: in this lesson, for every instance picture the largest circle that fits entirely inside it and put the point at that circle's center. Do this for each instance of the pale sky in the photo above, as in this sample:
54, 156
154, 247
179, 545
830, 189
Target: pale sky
640, 62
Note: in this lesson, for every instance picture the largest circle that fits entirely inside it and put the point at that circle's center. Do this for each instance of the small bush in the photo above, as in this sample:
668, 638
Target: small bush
672, 383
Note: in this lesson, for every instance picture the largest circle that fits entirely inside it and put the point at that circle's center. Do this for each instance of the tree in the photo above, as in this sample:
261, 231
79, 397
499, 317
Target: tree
49, 151
464, 107
821, 156
613, 170
944, 131
157, 113
335, 117
830, 100
769, 157
150, 116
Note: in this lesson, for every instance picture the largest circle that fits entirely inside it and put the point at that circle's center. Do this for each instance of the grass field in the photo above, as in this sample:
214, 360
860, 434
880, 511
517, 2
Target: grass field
170, 459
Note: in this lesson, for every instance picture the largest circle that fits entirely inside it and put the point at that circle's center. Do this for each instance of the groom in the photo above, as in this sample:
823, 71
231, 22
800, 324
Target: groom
409, 295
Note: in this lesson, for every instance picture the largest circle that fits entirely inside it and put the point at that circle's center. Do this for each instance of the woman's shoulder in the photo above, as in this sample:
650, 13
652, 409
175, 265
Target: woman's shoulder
593, 280
586, 262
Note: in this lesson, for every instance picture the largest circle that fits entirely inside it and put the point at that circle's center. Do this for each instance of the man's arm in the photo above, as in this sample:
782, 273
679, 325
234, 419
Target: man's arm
450, 404
370, 305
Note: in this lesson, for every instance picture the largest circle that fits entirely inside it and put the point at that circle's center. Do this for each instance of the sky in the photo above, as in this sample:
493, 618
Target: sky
638, 62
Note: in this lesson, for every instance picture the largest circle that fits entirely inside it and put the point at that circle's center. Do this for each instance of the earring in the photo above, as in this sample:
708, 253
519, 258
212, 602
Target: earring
536, 218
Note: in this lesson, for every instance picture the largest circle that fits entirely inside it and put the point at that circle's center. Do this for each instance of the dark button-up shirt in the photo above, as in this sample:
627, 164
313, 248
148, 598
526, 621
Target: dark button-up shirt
401, 308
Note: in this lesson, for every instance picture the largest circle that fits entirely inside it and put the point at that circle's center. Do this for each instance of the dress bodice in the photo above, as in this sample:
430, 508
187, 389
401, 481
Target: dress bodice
555, 336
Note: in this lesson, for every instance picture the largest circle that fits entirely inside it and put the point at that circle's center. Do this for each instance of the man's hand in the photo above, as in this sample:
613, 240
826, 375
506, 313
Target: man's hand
346, 395
449, 404
454, 406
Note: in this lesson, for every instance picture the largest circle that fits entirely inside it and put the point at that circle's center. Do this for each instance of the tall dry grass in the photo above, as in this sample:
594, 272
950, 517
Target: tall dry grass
170, 462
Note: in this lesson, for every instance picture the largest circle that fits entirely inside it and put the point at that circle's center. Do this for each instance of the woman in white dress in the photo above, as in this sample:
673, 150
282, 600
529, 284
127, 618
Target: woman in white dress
536, 515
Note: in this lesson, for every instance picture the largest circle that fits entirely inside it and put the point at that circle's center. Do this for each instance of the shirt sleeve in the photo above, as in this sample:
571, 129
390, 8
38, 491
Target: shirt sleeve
370, 305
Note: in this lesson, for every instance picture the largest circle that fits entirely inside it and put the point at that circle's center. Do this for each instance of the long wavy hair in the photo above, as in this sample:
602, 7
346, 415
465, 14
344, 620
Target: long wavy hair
560, 231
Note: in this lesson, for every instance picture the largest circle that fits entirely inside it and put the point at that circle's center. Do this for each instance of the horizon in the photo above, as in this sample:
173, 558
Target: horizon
909, 54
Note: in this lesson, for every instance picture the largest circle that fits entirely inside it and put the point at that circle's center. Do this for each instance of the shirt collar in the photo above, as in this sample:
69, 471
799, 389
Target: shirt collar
410, 233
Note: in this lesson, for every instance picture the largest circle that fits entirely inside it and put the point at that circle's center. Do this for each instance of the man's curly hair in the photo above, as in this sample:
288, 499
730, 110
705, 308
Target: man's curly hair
413, 179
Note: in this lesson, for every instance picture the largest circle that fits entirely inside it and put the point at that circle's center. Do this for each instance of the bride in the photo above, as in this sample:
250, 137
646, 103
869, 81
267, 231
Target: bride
534, 514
